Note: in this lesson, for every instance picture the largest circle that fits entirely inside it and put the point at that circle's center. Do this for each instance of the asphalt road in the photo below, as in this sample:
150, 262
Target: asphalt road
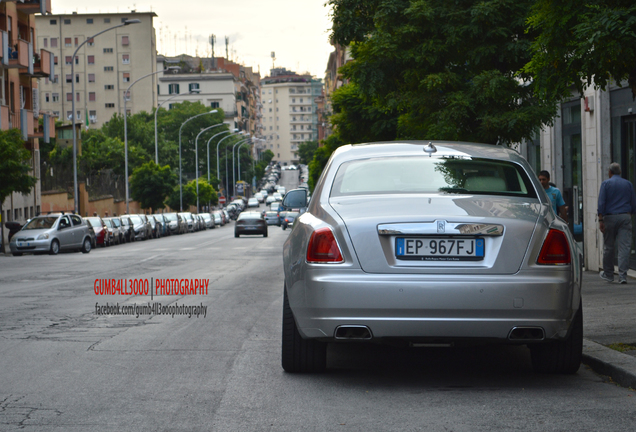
65, 368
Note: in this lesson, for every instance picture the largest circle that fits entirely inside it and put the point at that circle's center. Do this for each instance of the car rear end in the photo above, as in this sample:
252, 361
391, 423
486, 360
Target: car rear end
464, 247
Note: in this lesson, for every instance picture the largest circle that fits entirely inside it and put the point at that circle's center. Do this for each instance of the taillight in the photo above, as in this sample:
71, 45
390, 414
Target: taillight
555, 249
323, 247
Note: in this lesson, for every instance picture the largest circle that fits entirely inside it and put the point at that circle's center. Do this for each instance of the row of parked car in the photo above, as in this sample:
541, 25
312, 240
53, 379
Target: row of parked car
55, 232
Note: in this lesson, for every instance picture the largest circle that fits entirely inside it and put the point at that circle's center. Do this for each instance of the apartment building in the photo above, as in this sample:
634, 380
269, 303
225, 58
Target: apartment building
104, 68
216, 83
23, 63
289, 110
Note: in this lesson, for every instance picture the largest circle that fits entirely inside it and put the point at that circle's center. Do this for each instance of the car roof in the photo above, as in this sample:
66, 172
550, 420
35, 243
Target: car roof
416, 148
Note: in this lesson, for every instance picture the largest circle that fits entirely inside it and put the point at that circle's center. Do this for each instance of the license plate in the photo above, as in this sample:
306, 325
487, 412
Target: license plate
439, 249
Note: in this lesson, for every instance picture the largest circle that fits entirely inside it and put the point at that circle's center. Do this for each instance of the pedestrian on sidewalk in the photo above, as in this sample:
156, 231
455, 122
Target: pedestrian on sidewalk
616, 204
554, 194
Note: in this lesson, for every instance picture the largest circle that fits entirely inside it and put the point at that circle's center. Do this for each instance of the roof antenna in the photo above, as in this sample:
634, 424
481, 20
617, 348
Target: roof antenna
430, 149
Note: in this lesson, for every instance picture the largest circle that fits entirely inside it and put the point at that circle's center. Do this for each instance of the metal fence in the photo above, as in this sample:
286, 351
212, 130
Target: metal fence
99, 184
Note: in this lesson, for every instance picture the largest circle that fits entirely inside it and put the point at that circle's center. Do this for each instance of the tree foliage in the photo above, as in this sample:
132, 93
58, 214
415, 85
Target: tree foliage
151, 184
582, 43
306, 151
448, 70
15, 165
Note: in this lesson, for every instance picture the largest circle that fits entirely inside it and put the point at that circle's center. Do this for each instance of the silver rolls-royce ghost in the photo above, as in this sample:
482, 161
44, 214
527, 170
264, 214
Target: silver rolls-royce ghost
427, 243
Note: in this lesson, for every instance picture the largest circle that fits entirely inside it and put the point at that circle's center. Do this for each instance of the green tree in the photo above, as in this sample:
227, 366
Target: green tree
15, 166
448, 70
306, 151
321, 157
189, 198
151, 184
582, 43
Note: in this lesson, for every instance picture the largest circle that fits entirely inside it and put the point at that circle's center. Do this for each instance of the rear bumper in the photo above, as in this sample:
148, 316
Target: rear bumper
433, 306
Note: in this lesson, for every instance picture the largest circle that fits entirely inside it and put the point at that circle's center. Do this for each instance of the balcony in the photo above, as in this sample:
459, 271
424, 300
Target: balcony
34, 6
4, 118
20, 58
42, 65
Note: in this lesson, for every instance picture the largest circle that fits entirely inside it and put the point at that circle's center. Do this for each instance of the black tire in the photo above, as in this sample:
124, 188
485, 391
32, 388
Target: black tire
55, 247
265, 234
284, 227
298, 354
561, 357
86, 246
237, 235
17, 253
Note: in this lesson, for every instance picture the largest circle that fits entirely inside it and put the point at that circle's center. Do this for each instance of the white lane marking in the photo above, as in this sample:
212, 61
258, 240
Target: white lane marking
149, 258
184, 249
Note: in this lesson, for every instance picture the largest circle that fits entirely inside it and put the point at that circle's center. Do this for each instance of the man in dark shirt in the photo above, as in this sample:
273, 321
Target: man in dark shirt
616, 204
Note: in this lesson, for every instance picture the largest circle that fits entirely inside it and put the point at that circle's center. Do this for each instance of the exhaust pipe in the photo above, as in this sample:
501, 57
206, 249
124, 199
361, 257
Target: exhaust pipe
353, 332
527, 333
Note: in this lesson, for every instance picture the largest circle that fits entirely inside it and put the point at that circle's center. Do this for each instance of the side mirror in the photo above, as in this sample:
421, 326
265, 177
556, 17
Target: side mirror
295, 200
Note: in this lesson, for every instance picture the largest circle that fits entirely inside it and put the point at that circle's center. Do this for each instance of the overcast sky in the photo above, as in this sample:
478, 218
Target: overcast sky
296, 30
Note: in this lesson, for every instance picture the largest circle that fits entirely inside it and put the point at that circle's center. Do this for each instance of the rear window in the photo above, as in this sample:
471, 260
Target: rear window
461, 175
95, 222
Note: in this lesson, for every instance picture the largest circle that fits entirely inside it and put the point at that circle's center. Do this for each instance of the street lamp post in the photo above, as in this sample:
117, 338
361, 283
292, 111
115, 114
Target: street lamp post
196, 158
218, 174
233, 168
183, 124
126, 97
208, 145
74, 116
238, 152
156, 111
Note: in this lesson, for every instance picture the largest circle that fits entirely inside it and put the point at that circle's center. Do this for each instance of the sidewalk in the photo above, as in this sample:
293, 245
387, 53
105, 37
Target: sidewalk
609, 317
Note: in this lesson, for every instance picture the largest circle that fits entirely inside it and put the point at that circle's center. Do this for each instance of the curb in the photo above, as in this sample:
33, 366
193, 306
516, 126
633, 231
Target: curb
621, 368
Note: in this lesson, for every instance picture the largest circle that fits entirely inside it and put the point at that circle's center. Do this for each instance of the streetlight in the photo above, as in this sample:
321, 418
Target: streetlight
233, 181
217, 156
73, 116
126, 97
218, 174
160, 105
238, 152
196, 157
183, 124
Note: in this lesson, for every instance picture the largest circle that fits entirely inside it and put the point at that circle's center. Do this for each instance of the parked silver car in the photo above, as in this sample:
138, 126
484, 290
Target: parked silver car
53, 233
465, 247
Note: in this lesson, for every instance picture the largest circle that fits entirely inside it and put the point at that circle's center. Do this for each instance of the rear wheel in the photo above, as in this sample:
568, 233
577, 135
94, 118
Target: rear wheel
236, 234
298, 354
17, 253
562, 357
265, 234
87, 245
55, 247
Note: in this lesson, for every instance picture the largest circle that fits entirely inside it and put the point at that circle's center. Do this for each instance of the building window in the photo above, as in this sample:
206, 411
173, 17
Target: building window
46, 42
92, 115
108, 50
193, 86
56, 97
126, 76
54, 57
68, 60
56, 114
67, 42
90, 59
47, 97
106, 20
109, 87
124, 40
91, 96
69, 98
293, 100
67, 21
53, 22
56, 79
110, 105
91, 77
76, 78
173, 89
125, 58
108, 68
69, 78
89, 20
76, 41
53, 42
77, 97
214, 105
91, 42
